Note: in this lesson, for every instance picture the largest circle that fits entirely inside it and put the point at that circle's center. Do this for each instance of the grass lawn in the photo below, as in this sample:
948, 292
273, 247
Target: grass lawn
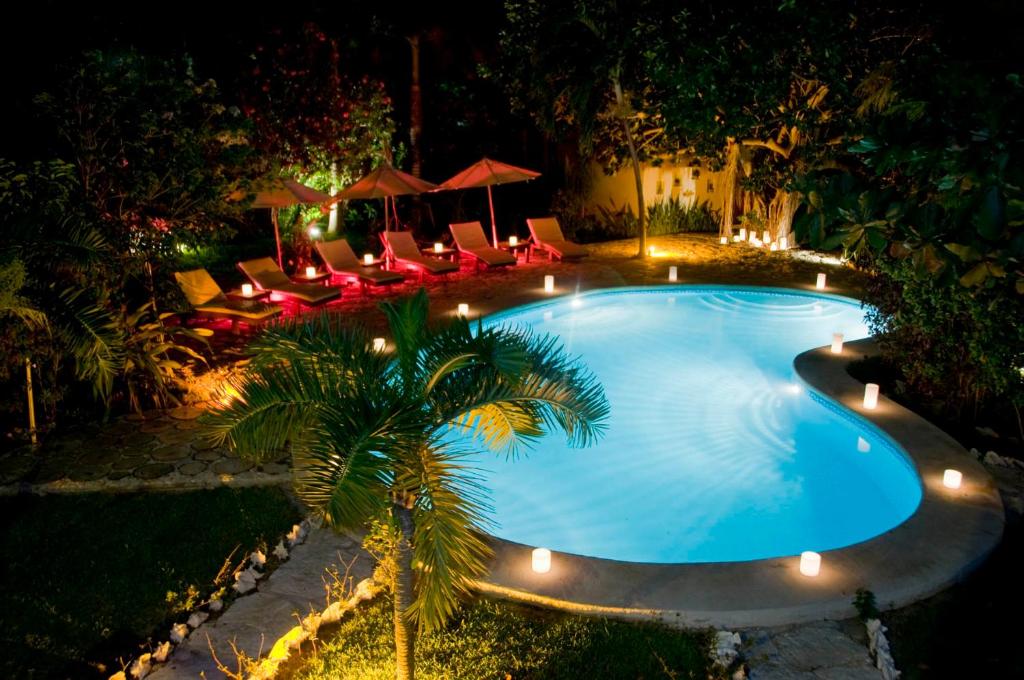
85, 578
498, 641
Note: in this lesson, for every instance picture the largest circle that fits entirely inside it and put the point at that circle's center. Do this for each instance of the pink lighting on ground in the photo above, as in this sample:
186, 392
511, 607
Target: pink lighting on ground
870, 396
837, 343
810, 563
951, 479
541, 560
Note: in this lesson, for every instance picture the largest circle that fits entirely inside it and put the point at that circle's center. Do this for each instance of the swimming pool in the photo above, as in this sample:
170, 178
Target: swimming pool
715, 452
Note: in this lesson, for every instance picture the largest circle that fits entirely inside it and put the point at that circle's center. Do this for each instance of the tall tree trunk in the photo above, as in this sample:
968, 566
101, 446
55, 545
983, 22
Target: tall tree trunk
780, 213
415, 108
732, 165
405, 634
635, 159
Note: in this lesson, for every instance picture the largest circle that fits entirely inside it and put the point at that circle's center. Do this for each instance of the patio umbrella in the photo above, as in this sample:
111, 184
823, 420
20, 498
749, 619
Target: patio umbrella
487, 173
280, 193
385, 182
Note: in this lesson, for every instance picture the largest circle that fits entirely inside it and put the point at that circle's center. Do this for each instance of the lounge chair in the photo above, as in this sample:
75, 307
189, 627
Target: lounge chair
341, 260
403, 251
547, 236
266, 275
470, 240
209, 301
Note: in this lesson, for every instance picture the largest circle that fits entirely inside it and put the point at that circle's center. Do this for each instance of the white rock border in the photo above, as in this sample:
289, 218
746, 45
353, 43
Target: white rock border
878, 646
245, 583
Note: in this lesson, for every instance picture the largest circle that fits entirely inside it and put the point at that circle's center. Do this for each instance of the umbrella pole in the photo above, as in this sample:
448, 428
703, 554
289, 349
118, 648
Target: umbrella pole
387, 222
494, 226
277, 237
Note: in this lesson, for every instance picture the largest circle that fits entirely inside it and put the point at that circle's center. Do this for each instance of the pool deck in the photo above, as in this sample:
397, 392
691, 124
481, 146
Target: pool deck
950, 534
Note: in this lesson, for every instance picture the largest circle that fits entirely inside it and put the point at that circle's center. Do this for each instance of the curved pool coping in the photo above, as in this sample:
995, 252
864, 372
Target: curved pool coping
949, 535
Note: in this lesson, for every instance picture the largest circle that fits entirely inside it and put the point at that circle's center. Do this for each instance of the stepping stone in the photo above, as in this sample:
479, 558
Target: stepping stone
209, 455
231, 467
88, 474
187, 425
178, 436
188, 412
129, 463
102, 456
203, 444
117, 475
192, 469
154, 470
274, 469
155, 426
173, 452
138, 440
120, 428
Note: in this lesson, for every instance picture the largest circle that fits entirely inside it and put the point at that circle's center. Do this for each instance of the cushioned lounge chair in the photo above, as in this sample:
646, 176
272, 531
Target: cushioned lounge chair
266, 275
341, 260
209, 301
403, 251
470, 240
547, 236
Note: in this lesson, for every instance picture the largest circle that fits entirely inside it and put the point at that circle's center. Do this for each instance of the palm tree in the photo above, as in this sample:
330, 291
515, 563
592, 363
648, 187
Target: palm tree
371, 434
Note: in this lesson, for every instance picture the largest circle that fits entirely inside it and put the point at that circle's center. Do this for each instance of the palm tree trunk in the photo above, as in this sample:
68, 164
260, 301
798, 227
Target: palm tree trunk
732, 164
405, 635
635, 159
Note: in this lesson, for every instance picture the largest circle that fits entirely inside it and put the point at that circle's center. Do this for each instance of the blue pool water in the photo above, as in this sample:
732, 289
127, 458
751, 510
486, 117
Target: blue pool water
714, 451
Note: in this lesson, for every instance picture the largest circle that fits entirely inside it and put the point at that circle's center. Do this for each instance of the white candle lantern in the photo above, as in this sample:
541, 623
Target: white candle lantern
837, 343
463, 309
368, 259
737, 238
752, 237
513, 240
247, 289
438, 247
310, 272
774, 247
379, 344
810, 563
314, 232
765, 236
673, 273
951, 479
541, 559
870, 396
743, 233
724, 240
651, 250
820, 283
783, 243
549, 283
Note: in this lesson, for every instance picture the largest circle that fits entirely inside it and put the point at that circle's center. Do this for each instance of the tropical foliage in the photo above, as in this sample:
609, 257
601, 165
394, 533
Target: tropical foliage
371, 434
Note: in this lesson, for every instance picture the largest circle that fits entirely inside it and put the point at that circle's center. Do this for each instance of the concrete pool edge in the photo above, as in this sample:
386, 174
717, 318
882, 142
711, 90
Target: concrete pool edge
947, 537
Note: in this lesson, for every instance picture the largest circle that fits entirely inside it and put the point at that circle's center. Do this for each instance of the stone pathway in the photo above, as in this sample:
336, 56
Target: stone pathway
826, 650
150, 451
255, 622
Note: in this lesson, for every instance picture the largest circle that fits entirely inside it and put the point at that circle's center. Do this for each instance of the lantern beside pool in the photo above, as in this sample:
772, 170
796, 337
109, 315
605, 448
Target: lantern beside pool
673, 273
810, 563
870, 396
379, 344
837, 343
541, 560
549, 283
951, 479
463, 309
820, 283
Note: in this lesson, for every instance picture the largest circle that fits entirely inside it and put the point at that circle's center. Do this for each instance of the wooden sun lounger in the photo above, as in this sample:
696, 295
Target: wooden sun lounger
209, 301
341, 260
403, 251
470, 240
266, 275
547, 236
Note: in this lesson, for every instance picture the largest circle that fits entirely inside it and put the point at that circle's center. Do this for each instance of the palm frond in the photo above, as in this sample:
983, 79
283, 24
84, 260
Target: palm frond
407, 320
94, 337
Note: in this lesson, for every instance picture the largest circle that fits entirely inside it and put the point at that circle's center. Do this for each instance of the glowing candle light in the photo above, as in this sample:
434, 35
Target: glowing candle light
463, 309
379, 344
724, 240
752, 237
737, 238
513, 240
314, 232
549, 283
774, 247
651, 250
820, 283
837, 343
743, 233
247, 289
765, 236
810, 563
870, 396
368, 259
673, 273
310, 272
438, 247
951, 479
541, 560
783, 243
